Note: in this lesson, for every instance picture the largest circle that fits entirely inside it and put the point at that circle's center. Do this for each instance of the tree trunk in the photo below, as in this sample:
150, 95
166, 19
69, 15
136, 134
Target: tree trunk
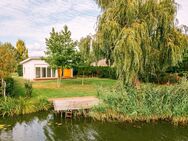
83, 78
59, 71
109, 62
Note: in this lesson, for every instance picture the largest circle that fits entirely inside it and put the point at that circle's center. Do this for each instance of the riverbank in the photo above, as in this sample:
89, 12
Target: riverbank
149, 103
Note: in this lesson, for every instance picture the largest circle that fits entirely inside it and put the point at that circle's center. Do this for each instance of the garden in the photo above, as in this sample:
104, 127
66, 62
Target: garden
145, 72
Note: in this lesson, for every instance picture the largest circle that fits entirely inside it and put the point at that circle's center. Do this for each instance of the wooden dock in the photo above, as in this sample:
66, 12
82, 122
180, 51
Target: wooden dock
74, 103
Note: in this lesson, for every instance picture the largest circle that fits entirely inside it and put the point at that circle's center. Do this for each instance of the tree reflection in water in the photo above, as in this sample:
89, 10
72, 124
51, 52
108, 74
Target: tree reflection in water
47, 127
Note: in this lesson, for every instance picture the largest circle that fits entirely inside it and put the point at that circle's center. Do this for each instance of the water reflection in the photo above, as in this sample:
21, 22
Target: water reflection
47, 127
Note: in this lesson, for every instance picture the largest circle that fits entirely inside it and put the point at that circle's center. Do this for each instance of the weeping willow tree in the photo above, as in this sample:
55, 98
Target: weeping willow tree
140, 36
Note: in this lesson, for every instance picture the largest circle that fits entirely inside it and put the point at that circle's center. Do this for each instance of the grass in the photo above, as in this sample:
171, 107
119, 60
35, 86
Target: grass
42, 90
69, 87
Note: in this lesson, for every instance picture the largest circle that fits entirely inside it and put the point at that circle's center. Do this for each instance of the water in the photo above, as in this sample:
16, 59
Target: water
47, 127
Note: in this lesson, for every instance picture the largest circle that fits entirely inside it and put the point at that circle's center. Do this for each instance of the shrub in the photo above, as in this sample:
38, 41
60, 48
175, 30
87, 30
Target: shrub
162, 78
92, 71
183, 74
9, 86
168, 78
20, 70
28, 88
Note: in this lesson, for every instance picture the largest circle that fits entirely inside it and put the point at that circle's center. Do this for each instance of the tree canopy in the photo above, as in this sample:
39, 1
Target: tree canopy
22, 50
85, 49
7, 59
140, 36
60, 49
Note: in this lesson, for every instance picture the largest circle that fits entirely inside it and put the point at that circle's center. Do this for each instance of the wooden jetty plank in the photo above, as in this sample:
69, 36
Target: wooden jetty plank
75, 103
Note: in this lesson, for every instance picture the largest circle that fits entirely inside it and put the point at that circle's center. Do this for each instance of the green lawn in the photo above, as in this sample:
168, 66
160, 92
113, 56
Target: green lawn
69, 87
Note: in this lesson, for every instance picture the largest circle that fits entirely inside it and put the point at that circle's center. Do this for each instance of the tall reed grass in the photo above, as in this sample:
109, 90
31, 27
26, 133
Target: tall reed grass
151, 102
21, 106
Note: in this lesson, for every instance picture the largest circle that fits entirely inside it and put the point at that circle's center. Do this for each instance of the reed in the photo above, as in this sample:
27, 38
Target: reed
150, 103
22, 105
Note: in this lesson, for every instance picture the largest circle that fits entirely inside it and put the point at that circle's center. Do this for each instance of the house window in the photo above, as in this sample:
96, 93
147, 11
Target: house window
48, 72
53, 72
43, 72
38, 72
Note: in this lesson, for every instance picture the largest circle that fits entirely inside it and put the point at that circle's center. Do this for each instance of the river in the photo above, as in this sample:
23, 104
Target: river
48, 127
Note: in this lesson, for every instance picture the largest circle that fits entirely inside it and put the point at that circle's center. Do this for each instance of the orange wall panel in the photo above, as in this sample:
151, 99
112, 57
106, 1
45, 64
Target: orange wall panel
67, 73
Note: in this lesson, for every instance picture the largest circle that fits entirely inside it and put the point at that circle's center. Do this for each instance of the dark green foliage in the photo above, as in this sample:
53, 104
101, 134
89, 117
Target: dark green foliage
91, 71
9, 86
162, 78
28, 88
20, 70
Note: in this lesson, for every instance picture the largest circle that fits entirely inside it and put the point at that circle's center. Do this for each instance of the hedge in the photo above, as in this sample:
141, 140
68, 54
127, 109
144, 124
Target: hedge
92, 71
9, 86
162, 78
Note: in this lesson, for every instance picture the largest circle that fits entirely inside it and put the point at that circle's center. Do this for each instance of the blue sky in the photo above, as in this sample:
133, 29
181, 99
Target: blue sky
32, 20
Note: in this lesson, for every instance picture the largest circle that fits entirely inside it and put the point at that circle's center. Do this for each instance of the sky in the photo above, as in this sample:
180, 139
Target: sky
32, 20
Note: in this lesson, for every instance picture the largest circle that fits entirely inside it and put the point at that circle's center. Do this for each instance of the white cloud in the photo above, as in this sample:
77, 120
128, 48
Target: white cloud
32, 20
182, 11
36, 49
79, 26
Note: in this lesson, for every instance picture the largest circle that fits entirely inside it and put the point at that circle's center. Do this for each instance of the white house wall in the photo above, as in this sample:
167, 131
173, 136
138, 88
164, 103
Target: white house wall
29, 68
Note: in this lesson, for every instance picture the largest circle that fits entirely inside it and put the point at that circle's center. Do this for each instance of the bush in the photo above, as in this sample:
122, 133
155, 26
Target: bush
183, 74
168, 78
91, 71
28, 88
162, 78
9, 86
20, 70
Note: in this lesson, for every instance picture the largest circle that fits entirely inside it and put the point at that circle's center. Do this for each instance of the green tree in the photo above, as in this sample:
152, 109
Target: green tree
97, 52
7, 63
22, 50
141, 36
104, 3
60, 49
85, 49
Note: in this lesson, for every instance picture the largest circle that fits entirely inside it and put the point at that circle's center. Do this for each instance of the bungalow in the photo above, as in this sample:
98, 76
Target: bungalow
34, 68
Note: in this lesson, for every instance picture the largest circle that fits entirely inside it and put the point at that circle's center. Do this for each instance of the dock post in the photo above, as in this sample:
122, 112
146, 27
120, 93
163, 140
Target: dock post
68, 114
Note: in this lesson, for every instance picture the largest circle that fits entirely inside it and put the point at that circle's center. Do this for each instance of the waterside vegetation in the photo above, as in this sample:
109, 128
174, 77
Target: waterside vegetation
22, 106
149, 103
